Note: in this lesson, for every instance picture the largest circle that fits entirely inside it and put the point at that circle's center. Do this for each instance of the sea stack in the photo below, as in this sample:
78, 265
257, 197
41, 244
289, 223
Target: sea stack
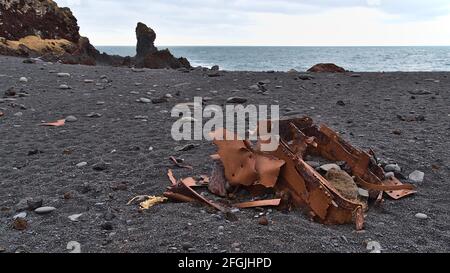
148, 56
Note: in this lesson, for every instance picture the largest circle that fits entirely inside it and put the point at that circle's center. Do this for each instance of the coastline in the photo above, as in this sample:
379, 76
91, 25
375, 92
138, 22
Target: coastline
373, 103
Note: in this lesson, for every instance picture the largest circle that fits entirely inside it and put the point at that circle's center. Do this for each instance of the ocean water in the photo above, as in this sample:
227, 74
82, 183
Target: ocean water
361, 59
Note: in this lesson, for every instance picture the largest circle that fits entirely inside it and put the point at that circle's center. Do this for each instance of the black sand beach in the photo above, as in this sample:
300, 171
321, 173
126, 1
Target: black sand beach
41, 162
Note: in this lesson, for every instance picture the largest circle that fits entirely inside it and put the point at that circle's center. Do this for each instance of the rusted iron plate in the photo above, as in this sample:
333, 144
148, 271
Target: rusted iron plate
397, 194
58, 123
259, 203
238, 161
268, 170
186, 183
180, 165
172, 178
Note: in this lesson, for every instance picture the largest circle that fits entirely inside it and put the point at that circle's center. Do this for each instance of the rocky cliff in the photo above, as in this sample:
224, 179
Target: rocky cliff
39, 28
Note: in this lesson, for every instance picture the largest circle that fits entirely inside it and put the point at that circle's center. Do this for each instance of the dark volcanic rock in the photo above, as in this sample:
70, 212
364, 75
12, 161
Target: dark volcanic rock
147, 55
39, 28
326, 68
21, 18
145, 41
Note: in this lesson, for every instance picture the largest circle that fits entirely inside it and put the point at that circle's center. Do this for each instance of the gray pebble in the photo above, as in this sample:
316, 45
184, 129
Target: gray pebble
393, 168
416, 177
71, 119
421, 216
44, 210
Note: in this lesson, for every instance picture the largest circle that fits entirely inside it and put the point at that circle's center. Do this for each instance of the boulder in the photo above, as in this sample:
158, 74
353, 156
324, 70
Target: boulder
326, 68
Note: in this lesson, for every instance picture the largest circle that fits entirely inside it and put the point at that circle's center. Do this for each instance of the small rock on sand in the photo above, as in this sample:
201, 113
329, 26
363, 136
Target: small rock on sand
81, 164
63, 75
421, 216
236, 100
395, 168
88, 81
21, 215
23, 79
416, 177
374, 247
64, 87
145, 100
44, 210
328, 167
74, 217
71, 119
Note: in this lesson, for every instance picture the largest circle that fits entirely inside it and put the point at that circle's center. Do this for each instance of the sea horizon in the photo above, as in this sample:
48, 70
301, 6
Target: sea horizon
301, 58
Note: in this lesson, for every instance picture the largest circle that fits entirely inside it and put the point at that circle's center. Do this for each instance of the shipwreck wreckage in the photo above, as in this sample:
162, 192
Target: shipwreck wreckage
291, 180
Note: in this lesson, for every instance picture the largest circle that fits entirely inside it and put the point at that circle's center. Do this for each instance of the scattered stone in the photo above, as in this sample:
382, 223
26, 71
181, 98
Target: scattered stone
18, 114
71, 119
267, 81
145, 100
11, 92
160, 100
215, 68
374, 247
74, 246
23, 79
355, 75
94, 115
100, 103
236, 100
88, 81
389, 175
235, 245
395, 168
397, 132
328, 167
34, 203
187, 246
254, 87
100, 166
168, 96
340, 103
82, 164
263, 221
74, 217
21, 215
416, 177
64, 87
141, 117
20, 224
421, 216
420, 92
29, 61
107, 226
44, 210
63, 75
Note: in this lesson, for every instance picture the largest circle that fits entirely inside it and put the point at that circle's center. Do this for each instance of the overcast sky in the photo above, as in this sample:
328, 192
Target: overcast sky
266, 22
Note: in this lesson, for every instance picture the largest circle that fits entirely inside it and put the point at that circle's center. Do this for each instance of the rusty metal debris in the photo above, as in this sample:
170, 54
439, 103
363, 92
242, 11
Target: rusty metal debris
330, 198
57, 123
